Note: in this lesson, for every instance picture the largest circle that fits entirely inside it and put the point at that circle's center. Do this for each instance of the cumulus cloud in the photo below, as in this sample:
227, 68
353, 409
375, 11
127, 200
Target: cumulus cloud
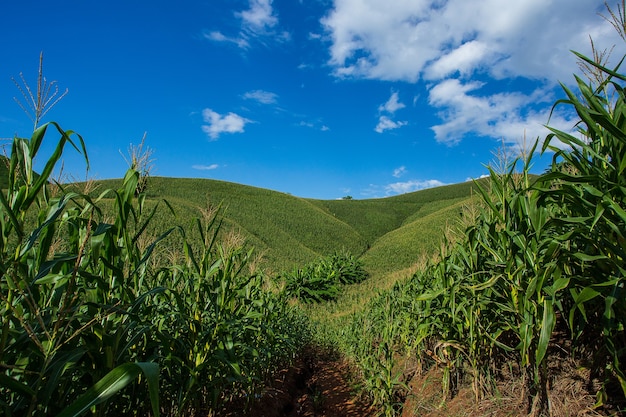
218, 124
385, 123
462, 49
205, 167
411, 186
463, 59
263, 97
406, 40
509, 116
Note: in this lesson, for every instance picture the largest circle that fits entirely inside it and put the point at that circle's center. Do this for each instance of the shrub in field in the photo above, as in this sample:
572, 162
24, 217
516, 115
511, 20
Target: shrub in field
320, 281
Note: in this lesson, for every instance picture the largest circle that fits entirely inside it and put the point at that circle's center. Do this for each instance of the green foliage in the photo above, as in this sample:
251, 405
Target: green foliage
590, 193
94, 318
321, 280
289, 231
541, 254
4, 175
223, 334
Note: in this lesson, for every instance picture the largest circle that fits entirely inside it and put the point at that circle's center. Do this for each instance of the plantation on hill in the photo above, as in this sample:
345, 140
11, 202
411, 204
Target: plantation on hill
502, 297
289, 231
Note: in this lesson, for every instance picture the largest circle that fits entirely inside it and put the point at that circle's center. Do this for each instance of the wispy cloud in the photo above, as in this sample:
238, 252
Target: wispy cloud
400, 171
263, 97
385, 123
314, 125
205, 167
260, 17
411, 186
217, 36
218, 124
378, 191
392, 105
258, 22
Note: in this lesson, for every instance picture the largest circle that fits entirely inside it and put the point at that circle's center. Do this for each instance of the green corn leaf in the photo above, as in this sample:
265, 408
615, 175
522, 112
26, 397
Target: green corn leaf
612, 73
44, 176
14, 385
588, 258
112, 383
615, 207
547, 326
54, 212
585, 295
8, 211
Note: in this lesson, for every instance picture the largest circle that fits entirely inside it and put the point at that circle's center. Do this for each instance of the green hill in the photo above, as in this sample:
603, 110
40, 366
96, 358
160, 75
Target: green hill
388, 233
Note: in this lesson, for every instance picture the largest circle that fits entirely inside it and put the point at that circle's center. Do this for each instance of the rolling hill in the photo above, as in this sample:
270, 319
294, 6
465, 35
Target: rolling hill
389, 234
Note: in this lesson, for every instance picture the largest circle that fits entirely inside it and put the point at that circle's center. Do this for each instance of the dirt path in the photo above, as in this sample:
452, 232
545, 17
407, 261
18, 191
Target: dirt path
317, 385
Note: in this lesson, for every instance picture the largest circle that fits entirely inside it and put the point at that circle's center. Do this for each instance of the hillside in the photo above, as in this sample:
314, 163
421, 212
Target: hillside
389, 233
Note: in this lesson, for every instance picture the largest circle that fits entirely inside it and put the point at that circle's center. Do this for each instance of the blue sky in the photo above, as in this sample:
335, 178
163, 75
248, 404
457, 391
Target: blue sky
319, 99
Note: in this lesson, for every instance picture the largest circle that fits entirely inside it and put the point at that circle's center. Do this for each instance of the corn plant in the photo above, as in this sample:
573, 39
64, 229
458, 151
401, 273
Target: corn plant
222, 333
89, 324
590, 186
541, 254
54, 315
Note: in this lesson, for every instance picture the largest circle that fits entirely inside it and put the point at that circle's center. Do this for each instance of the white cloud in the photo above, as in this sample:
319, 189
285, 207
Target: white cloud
264, 97
411, 186
220, 37
259, 18
400, 171
385, 123
205, 167
462, 47
464, 59
481, 176
506, 116
257, 23
218, 124
392, 105
405, 40
314, 125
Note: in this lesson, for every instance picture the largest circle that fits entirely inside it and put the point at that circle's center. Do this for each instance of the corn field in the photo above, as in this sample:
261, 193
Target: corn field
94, 320
544, 257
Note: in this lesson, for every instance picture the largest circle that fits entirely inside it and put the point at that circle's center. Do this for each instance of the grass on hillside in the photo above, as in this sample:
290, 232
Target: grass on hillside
289, 231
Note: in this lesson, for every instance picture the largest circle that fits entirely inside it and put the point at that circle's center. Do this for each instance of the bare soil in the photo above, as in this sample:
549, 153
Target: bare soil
321, 384
318, 384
